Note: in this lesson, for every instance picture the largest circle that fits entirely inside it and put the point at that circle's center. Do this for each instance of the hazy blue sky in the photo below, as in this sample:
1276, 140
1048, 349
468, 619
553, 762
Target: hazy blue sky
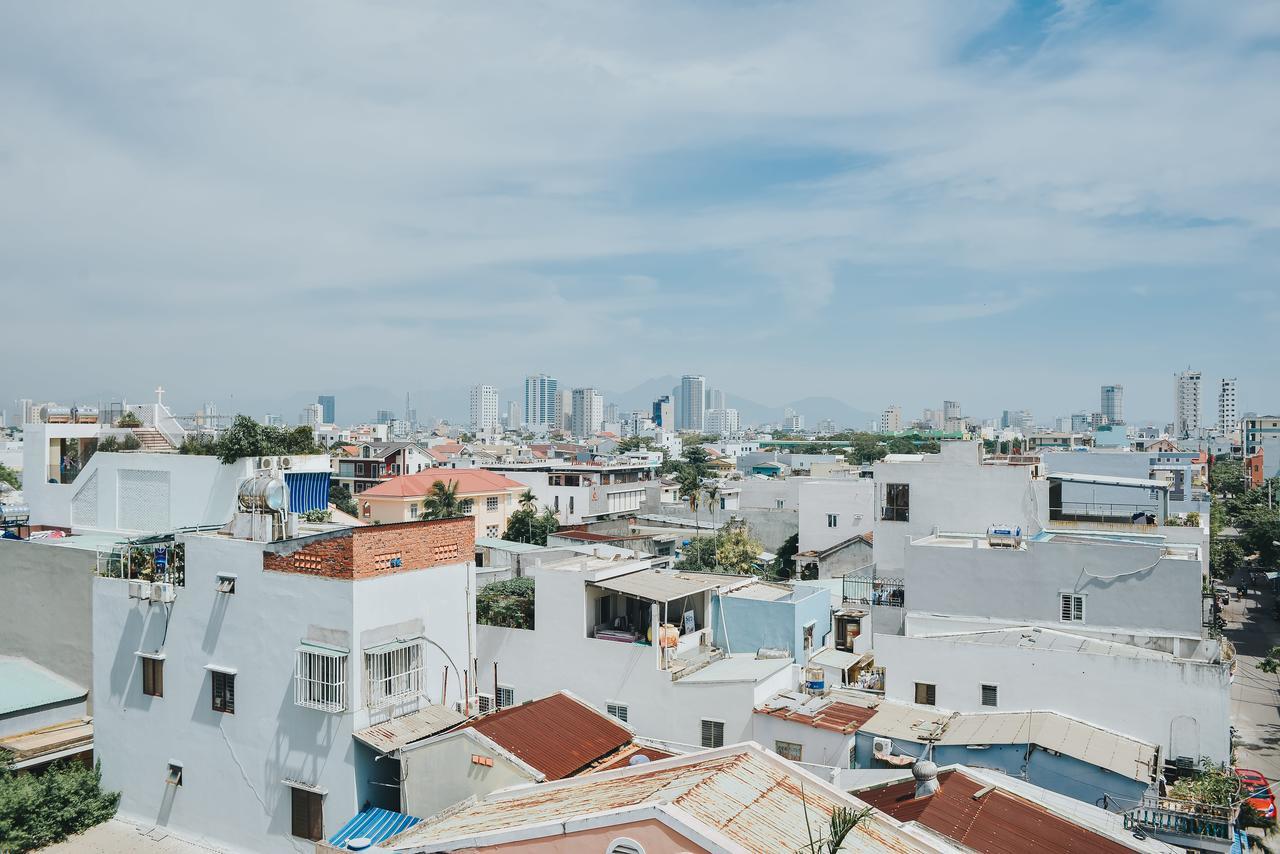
885, 202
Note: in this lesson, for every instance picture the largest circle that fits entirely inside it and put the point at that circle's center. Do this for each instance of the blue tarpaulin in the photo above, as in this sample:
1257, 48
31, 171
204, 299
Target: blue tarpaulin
308, 490
373, 824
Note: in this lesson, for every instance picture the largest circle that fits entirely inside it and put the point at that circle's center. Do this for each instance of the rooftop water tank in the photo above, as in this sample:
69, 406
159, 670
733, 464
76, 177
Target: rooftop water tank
264, 492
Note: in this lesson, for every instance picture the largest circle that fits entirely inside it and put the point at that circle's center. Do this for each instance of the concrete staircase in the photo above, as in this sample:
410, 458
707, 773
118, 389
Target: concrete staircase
152, 440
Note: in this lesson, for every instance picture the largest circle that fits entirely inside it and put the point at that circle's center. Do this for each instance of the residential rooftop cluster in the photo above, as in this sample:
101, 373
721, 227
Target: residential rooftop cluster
564, 627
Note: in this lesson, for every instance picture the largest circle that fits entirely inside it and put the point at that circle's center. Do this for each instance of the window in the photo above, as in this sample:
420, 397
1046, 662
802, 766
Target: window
224, 692
570, 505
722, 502
491, 531
1072, 608
788, 750
833, 520
491, 503
808, 636
153, 677
413, 510
506, 696
853, 756
897, 502
468, 507
712, 733
308, 814
926, 694
394, 672
226, 583
320, 679
174, 775
779, 503
990, 695
617, 710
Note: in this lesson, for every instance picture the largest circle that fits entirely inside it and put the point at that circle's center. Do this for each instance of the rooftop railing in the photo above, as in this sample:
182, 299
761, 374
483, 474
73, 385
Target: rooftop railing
1184, 818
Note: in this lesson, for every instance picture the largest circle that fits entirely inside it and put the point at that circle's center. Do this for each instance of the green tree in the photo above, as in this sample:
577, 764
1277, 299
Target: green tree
129, 419
696, 458
1225, 556
509, 603
247, 438
731, 550
39, 809
527, 500
527, 525
442, 501
1227, 477
784, 561
340, 497
9, 476
689, 485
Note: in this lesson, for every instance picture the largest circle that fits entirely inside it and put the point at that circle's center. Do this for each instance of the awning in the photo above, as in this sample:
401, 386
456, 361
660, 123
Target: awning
396, 733
327, 649
373, 824
1107, 480
835, 658
392, 646
660, 586
308, 490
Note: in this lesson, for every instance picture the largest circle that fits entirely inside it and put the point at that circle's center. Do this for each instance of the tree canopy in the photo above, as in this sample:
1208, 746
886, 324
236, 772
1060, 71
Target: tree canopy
731, 550
248, 438
527, 525
9, 476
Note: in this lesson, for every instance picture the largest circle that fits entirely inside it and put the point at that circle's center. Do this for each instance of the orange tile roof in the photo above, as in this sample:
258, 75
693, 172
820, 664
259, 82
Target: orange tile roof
559, 735
469, 481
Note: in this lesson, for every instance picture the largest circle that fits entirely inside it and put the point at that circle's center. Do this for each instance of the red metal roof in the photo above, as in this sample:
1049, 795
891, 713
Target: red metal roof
469, 481
559, 735
996, 823
836, 716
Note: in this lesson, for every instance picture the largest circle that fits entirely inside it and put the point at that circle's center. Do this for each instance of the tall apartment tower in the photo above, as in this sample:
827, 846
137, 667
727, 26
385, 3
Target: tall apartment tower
1113, 404
891, 420
513, 415
664, 413
951, 418
715, 399
693, 390
541, 402
1227, 418
588, 412
1186, 404
311, 415
484, 408
327, 408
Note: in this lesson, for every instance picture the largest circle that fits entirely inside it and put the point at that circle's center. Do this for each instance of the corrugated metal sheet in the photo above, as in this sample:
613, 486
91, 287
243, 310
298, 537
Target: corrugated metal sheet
659, 586
374, 824
558, 735
406, 729
308, 490
831, 715
753, 801
996, 823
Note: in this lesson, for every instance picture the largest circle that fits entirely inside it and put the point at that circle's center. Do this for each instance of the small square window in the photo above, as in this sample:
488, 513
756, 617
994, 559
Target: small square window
617, 710
991, 695
491, 503
926, 694
788, 750
712, 733
224, 692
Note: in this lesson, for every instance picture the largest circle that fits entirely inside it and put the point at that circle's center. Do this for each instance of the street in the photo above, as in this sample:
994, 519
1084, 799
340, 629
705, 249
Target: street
1254, 694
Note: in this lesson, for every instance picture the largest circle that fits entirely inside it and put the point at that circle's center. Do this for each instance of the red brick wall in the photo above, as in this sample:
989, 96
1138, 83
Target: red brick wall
374, 550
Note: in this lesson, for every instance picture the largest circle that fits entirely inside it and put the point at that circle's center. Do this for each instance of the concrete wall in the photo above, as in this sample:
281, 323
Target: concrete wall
46, 614
818, 746
1149, 592
1183, 706
26, 720
851, 500
439, 773
746, 625
951, 491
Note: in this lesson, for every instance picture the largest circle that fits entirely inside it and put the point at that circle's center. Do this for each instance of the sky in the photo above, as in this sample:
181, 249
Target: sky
1005, 204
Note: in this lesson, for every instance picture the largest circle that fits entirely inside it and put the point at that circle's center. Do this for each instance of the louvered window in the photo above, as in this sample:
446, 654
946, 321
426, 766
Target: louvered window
617, 710
1072, 608
307, 814
224, 692
990, 695
926, 693
713, 733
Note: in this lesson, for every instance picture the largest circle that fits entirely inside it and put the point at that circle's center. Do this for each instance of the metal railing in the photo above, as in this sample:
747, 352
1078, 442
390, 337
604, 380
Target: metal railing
874, 590
1186, 818
1088, 511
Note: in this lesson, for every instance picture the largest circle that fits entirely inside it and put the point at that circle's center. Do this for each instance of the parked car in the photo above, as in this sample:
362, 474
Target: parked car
1258, 790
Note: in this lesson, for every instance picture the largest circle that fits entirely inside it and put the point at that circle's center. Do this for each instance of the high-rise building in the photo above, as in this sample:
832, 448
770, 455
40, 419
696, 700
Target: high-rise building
541, 402
1186, 404
270, 420
664, 413
721, 422
791, 420
891, 420
1227, 420
513, 415
484, 408
312, 415
715, 399
611, 413
952, 421
384, 416
692, 405
1080, 422
26, 411
564, 411
588, 412
327, 407
1113, 404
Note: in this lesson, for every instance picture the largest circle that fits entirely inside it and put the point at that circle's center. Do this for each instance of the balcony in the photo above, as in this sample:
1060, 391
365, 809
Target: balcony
1183, 823
1104, 513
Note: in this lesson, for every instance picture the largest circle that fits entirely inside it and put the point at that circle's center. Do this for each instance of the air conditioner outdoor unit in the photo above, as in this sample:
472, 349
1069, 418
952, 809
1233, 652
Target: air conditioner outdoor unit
266, 462
139, 589
286, 462
484, 703
882, 746
164, 592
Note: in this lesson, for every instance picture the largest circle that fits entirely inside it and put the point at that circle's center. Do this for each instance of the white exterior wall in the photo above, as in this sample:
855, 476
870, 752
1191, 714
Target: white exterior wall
1182, 705
557, 655
570, 502
764, 494
1023, 585
438, 773
232, 796
819, 746
951, 491
852, 500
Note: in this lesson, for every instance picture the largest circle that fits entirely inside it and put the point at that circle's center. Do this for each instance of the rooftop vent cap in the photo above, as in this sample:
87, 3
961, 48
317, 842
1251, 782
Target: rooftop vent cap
925, 773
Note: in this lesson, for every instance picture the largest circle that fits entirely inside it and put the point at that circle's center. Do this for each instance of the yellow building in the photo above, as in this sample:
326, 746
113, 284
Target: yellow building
487, 496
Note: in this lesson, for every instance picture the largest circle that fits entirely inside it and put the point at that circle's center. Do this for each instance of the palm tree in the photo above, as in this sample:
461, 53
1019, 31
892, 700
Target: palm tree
442, 501
712, 491
691, 490
527, 500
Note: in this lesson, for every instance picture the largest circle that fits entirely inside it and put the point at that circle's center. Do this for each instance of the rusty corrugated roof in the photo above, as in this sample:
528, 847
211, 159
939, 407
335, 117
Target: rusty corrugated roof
835, 716
996, 823
558, 735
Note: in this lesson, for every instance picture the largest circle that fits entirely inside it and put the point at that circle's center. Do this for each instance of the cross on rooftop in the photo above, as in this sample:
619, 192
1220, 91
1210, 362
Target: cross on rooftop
159, 394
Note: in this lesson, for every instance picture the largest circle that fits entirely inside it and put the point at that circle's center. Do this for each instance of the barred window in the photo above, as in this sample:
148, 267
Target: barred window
394, 672
320, 679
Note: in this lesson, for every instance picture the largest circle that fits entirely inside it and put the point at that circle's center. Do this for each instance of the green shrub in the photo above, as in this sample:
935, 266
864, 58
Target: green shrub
506, 603
39, 809
129, 419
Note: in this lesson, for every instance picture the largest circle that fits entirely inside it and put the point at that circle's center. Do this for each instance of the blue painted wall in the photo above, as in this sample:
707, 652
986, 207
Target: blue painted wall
750, 624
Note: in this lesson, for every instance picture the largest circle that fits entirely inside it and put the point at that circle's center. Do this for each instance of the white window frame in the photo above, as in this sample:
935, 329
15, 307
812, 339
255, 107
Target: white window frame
621, 711
320, 679
982, 695
1067, 604
393, 675
491, 504
703, 732
833, 520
